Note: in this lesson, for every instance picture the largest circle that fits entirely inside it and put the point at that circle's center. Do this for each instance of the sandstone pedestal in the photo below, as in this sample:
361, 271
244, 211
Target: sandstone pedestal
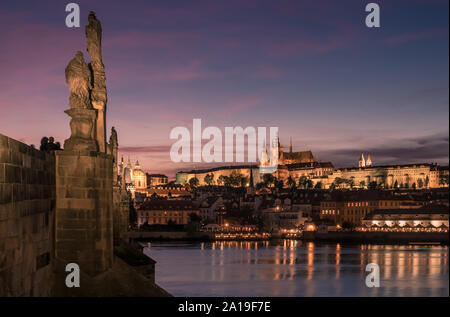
82, 127
84, 210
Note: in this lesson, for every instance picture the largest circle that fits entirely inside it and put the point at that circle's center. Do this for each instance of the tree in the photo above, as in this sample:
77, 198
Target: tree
318, 185
171, 223
420, 183
268, 179
193, 217
351, 182
373, 185
235, 178
194, 223
362, 184
290, 182
278, 183
209, 179
396, 184
414, 186
302, 181
309, 184
221, 180
193, 182
408, 179
227, 181
259, 185
339, 181
427, 181
244, 181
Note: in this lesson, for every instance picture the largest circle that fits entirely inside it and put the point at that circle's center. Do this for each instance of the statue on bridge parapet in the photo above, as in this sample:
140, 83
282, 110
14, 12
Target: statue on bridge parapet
88, 95
82, 125
98, 92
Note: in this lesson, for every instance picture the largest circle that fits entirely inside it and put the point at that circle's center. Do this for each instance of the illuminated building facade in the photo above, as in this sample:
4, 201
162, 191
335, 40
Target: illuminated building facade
162, 211
426, 218
157, 179
352, 207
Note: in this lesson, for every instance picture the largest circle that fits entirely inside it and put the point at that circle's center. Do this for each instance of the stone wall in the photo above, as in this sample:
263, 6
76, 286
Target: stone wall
121, 213
27, 206
84, 209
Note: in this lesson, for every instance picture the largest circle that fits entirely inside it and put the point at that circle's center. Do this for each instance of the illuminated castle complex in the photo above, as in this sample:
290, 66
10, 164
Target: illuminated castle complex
301, 166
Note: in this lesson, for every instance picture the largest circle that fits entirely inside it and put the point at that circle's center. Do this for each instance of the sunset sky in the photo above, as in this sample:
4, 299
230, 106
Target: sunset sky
312, 68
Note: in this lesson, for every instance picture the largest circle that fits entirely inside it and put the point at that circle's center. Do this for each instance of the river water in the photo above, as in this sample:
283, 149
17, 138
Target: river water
297, 268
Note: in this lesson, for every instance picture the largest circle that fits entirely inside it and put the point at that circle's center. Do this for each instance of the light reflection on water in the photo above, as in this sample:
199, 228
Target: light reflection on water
297, 268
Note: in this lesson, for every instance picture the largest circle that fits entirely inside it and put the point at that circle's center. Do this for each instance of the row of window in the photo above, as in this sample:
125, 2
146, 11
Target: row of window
348, 212
165, 213
365, 204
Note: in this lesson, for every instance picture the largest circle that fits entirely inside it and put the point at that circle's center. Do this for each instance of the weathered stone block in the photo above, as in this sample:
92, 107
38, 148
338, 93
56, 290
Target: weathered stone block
2, 173
3, 141
13, 174
5, 156
16, 157
5, 193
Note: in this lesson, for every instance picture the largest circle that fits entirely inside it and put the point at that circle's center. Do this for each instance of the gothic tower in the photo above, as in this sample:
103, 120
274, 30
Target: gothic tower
362, 161
368, 161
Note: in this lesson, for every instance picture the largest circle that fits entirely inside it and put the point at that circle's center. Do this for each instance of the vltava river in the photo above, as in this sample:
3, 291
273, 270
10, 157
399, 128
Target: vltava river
296, 268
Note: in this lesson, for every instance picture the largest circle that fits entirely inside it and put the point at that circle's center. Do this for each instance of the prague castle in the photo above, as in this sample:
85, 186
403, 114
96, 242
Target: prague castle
303, 165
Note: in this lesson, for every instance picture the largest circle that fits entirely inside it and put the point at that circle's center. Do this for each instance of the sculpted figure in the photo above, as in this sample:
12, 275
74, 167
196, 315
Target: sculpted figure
78, 76
113, 148
98, 94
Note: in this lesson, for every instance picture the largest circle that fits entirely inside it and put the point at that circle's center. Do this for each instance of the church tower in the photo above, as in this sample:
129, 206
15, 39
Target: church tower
290, 145
280, 150
368, 161
264, 157
362, 161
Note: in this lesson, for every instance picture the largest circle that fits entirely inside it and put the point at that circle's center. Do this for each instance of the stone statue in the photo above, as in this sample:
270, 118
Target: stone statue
113, 148
78, 76
82, 125
88, 94
98, 93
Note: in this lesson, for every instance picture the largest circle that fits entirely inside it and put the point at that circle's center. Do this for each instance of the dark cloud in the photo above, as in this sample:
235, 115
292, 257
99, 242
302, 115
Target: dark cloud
145, 149
426, 149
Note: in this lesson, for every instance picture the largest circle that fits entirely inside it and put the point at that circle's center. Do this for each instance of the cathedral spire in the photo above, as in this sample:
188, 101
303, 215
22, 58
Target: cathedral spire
264, 157
290, 145
368, 161
362, 161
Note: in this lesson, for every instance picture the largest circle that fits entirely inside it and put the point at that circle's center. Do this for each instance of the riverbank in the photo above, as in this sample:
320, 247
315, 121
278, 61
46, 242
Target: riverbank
379, 237
347, 237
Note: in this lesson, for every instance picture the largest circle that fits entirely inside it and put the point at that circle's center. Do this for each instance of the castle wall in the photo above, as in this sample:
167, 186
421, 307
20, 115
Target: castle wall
27, 209
402, 176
